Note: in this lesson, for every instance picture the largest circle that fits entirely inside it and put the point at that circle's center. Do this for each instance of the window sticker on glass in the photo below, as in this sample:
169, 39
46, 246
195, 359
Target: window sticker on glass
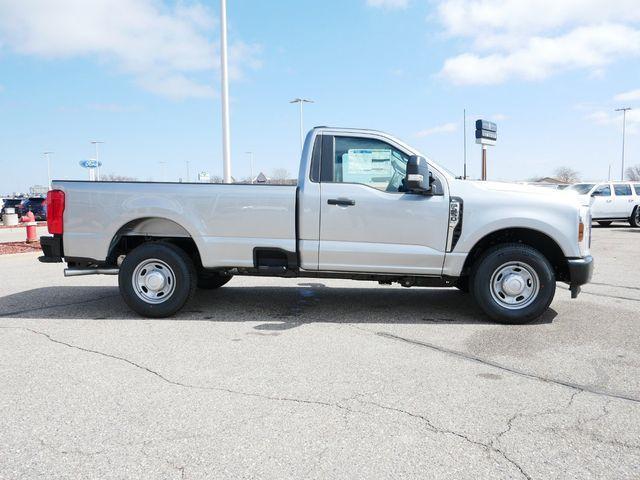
366, 165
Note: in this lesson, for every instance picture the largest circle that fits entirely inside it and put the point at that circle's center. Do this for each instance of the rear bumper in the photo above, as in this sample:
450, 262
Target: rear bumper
52, 249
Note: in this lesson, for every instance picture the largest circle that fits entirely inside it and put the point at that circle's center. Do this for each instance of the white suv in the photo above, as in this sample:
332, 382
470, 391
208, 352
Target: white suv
611, 201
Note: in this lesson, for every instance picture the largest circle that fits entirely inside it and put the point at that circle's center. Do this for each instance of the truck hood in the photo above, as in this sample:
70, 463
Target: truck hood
528, 192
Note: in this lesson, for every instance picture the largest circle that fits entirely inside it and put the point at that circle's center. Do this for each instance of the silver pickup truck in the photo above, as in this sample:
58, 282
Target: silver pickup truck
366, 207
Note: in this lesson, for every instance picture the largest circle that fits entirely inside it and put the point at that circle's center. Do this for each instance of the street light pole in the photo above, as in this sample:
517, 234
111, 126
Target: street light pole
188, 176
226, 136
46, 155
624, 111
95, 144
301, 101
250, 163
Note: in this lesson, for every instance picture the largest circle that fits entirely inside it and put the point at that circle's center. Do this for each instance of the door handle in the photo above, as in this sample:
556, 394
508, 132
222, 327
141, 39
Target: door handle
343, 202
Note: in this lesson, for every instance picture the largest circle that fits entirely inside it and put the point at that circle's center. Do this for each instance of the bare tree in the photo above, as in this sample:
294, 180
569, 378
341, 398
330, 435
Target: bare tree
216, 179
112, 177
633, 173
567, 174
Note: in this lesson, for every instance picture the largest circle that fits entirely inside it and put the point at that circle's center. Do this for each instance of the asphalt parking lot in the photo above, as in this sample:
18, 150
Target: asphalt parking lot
290, 378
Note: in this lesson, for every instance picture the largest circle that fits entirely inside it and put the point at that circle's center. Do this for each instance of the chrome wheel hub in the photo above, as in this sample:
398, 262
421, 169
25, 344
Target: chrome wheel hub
153, 281
514, 285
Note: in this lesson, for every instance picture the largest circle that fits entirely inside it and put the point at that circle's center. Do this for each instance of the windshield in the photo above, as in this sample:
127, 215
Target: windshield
581, 188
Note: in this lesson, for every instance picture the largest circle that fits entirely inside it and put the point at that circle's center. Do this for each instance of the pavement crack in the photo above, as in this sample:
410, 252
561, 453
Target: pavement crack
169, 381
615, 286
551, 411
617, 297
513, 370
488, 447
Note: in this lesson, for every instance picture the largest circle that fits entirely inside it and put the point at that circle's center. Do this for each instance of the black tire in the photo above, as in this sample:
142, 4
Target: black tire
182, 279
634, 221
212, 280
604, 223
512, 256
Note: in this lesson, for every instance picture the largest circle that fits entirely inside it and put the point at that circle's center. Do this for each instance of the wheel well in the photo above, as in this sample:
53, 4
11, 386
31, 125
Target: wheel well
533, 238
144, 230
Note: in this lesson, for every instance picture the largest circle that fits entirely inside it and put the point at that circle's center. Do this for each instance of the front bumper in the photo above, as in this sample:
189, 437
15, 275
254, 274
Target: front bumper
52, 249
580, 272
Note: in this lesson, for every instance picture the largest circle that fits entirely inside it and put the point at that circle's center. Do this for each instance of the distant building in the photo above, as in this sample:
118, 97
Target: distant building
550, 181
261, 178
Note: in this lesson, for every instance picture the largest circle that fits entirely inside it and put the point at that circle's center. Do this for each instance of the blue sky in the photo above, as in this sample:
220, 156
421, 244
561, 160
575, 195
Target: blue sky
143, 76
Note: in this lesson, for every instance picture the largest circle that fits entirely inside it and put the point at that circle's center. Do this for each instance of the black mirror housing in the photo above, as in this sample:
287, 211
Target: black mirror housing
418, 178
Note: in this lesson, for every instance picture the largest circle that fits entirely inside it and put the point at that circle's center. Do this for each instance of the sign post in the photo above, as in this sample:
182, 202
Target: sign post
486, 134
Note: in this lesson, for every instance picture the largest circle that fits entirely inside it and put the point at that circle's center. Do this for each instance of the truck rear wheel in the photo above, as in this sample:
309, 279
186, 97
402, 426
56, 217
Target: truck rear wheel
634, 221
513, 283
157, 279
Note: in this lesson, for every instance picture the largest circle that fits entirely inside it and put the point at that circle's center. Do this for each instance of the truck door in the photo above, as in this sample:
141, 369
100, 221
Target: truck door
602, 202
367, 224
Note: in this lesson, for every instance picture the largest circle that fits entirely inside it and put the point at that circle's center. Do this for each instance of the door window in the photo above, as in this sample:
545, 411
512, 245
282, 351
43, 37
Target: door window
622, 190
369, 162
602, 191
637, 188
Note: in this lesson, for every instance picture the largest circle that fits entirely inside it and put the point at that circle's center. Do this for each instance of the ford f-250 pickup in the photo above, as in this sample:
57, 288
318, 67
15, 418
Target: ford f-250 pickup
366, 207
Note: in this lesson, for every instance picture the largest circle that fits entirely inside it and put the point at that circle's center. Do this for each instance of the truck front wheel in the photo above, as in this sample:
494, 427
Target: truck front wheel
513, 283
157, 279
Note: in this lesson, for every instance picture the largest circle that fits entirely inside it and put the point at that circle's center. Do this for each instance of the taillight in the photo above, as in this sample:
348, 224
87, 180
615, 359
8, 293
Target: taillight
55, 211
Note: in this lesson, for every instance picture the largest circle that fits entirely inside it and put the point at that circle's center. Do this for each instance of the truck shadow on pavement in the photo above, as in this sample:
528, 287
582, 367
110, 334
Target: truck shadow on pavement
276, 307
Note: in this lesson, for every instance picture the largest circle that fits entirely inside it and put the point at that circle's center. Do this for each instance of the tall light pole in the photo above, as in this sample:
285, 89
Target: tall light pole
188, 175
226, 135
95, 144
624, 111
301, 101
250, 163
46, 156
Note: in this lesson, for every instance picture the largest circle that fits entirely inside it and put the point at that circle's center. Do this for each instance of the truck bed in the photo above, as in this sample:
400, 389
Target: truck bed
226, 221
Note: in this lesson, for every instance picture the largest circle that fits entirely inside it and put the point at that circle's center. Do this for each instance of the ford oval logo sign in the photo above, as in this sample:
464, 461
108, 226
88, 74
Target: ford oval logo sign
90, 163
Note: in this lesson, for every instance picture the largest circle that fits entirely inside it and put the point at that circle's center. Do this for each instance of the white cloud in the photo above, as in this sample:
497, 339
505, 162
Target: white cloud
534, 39
166, 49
444, 128
498, 117
391, 4
630, 96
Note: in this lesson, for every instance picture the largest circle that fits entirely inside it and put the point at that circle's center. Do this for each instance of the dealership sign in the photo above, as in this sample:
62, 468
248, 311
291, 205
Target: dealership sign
486, 132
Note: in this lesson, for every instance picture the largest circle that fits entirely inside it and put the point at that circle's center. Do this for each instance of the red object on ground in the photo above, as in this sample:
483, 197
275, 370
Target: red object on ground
55, 211
32, 233
29, 217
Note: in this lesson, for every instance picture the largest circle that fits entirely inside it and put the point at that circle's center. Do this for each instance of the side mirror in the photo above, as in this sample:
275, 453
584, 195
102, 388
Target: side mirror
418, 178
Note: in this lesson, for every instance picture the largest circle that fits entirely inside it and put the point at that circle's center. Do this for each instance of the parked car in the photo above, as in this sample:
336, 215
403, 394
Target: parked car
367, 207
611, 201
37, 205
11, 203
